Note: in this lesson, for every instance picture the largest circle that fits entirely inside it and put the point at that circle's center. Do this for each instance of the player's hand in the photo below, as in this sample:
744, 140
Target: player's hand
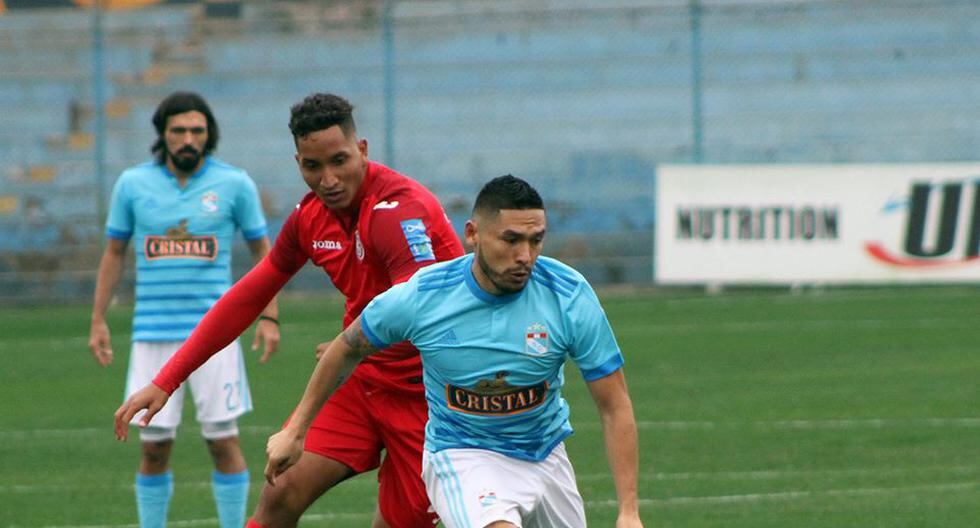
100, 343
628, 521
283, 450
151, 398
321, 348
267, 335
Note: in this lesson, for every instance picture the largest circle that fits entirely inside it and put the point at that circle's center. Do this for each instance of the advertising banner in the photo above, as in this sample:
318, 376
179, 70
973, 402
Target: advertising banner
793, 224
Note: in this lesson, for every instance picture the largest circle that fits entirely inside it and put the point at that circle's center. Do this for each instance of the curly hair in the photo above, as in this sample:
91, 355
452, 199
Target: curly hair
321, 111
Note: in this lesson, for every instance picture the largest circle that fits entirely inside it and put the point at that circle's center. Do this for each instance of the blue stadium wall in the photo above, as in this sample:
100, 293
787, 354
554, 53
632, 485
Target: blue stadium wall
581, 98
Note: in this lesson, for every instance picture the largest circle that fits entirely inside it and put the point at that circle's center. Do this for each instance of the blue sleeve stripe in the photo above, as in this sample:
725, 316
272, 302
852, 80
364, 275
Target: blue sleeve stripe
569, 281
372, 337
544, 278
176, 313
190, 297
254, 234
194, 266
179, 282
554, 267
611, 365
437, 284
163, 327
118, 234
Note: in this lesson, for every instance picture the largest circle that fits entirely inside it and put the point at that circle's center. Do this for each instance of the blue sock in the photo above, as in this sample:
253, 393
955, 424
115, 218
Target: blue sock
230, 496
153, 498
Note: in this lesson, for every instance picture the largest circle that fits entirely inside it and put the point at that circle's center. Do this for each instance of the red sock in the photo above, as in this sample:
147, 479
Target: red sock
252, 524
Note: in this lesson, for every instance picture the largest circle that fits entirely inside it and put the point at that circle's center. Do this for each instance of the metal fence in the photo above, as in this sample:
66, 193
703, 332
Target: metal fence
582, 98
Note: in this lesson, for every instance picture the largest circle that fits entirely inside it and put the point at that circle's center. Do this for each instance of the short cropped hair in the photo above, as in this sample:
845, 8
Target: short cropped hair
506, 192
321, 111
178, 103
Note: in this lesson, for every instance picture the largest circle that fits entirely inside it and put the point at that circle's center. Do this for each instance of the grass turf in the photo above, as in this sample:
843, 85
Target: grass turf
841, 408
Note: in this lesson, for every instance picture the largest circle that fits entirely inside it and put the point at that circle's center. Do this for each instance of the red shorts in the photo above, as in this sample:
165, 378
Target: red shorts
357, 423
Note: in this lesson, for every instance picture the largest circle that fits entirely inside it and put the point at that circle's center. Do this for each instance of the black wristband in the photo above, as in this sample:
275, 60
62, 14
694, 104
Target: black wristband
270, 319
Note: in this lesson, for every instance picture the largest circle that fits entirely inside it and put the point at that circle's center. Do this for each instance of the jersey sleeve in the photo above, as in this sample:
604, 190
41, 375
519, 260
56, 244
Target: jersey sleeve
387, 319
402, 238
594, 348
248, 210
120, 222
287, 254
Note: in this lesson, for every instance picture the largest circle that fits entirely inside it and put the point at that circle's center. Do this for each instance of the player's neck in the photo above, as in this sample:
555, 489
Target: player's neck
183, 176
483, 281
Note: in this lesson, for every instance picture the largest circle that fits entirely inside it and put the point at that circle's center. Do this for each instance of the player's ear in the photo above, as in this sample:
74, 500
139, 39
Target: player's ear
470, 232
362, 146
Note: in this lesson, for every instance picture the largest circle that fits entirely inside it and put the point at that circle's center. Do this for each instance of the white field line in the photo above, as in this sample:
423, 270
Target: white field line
10, 435
811, 295
371, 483
925, 323
787, 495
672, 501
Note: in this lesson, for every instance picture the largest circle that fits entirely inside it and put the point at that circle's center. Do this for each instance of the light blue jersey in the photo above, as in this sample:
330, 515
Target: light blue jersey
493, 365
183, 239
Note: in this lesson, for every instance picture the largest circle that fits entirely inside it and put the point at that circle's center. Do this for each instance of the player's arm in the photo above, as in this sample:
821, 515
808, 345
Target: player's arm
223, 323
622, 451
110, 271
267, 329
336, 363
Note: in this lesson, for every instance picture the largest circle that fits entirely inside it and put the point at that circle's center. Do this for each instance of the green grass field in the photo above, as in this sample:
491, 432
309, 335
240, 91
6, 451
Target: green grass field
846, 408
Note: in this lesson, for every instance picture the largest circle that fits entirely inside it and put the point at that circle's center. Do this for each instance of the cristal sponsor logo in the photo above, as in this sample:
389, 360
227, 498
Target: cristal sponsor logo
334, 245
752, 223
179, 243
932, 238
495, 397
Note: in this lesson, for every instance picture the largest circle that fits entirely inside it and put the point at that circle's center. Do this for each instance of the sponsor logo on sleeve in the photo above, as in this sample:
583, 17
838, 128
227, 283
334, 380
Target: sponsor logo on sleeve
419, 242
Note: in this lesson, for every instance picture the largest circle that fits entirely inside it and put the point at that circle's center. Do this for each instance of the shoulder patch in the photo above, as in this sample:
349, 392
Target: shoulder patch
418, 240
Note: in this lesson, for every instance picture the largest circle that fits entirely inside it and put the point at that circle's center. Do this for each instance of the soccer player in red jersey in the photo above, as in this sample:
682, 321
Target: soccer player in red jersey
368, 227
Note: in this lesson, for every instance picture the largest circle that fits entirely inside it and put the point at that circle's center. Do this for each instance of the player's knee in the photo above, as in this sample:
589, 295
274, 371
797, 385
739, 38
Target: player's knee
219, 430
155, 452
279, 504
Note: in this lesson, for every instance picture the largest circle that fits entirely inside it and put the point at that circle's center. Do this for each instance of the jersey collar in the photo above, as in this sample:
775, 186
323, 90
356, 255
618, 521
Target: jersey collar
194, 175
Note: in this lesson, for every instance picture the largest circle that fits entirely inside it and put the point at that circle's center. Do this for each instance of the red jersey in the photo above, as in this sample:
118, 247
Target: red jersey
394, 227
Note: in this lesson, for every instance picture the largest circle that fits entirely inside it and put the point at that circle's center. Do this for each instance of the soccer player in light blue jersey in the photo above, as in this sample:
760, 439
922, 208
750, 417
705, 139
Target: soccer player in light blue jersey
182, 210
494, 329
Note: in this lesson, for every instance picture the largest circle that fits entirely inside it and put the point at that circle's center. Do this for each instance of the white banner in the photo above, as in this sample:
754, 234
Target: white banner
785, 224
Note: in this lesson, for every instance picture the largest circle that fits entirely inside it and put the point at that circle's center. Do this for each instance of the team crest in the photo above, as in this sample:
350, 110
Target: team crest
536, 340
209, 202
487, 498
358, 246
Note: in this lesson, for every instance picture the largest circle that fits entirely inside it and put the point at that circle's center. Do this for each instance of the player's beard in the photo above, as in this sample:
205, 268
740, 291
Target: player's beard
498, 279
185, 163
